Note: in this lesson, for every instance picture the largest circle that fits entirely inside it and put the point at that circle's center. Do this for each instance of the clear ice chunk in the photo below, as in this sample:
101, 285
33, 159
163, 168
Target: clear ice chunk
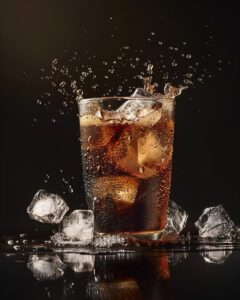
236, 233
216, 257
94, 133
47, 208
79, 262
139, 152
122, 190
176, 218
214, 222
79, 226
46, 266
150, 151
134, 108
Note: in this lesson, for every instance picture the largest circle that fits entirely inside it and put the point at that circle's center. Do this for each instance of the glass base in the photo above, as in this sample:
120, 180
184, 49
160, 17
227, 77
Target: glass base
147, 235
142, 235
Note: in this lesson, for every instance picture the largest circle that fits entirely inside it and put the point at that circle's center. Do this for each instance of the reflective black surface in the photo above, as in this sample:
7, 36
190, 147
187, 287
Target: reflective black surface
160, 275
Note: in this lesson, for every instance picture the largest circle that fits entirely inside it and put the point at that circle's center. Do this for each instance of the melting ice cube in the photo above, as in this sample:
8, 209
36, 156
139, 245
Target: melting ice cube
47, 208
139, 152
216, 257
121, 189
78, 226
176, 218
79, 262
133, 109
46, 266
214, 222
150, 151
94, 131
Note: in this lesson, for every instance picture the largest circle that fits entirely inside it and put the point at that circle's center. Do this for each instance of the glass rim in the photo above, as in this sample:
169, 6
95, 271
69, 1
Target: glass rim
124, 98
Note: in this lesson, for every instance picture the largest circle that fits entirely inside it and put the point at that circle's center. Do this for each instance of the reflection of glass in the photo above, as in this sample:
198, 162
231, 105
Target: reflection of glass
126, 150
78, 262
136, 278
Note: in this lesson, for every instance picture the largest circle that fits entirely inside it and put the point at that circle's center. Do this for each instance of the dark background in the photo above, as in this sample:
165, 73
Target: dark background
207, 127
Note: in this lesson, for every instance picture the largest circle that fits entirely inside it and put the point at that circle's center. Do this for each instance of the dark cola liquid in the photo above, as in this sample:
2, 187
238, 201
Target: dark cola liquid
127, 170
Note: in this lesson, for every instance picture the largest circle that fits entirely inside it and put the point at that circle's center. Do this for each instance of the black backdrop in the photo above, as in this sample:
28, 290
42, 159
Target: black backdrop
207, 127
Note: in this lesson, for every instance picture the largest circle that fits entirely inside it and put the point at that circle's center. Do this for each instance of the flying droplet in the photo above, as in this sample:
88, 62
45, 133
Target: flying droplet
150, 69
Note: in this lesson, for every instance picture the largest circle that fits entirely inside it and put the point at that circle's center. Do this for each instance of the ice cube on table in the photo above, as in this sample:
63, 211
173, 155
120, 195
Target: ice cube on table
121, 189
216, 257
47, 208
46, 266
176, 218
236, 233
214, 222
79, 226
79, 262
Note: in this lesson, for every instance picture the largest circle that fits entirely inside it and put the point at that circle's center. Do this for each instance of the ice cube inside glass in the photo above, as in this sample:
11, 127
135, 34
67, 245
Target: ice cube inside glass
126, 148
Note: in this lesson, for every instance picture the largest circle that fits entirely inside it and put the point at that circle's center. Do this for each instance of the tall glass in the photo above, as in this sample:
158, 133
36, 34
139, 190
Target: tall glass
126, 148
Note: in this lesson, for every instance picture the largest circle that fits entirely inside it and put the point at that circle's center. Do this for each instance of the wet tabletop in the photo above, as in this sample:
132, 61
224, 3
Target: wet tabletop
207, 274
